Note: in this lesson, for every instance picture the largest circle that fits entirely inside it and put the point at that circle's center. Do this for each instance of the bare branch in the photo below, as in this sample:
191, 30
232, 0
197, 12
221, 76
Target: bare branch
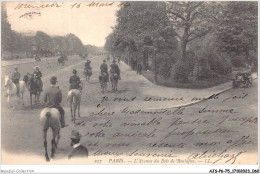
177, 15
191, 33
199, 34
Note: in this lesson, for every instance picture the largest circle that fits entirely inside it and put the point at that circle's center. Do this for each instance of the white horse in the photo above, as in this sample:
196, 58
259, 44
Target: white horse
12, 90
50, 118
74, 98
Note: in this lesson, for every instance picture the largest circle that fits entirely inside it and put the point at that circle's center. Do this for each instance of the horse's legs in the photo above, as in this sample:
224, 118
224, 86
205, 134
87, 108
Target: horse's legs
71, 110
38, 98
13, 101
45, 145
22, 99
19, 96
78, 107
8, 99
103, 86
58, 138
74, 111
53, 142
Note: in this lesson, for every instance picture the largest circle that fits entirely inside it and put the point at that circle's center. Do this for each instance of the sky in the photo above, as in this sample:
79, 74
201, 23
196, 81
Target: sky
90, 22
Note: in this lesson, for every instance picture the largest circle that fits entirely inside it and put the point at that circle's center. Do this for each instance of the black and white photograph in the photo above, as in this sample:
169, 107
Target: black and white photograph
131, 82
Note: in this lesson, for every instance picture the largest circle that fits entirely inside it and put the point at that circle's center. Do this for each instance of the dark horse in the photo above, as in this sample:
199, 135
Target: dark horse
34, 86
103, 78
87, 72
114, 81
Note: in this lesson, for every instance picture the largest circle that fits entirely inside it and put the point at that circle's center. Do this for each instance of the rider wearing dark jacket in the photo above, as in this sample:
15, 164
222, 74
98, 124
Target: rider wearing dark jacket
74, 80
53, 98
38, 74
87, 64
114, 68
88, 67
103, 69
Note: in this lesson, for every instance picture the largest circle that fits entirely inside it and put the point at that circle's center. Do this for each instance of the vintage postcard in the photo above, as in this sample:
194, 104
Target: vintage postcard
112, 82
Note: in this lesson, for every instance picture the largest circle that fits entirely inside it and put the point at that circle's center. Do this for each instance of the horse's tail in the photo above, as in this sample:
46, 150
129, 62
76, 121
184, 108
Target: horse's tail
48, 115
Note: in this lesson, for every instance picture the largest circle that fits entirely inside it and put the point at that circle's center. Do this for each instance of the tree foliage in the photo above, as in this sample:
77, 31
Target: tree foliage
237, 28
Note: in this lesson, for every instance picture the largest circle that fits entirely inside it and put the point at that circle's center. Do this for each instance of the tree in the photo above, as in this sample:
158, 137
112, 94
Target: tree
43, 41
237, 28
192, 19
8, 35
141, 28
74, 43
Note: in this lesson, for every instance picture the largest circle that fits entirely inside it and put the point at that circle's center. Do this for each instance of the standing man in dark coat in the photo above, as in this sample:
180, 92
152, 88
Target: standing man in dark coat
15, 78
74, 80
139, 68
78, 150
53, 98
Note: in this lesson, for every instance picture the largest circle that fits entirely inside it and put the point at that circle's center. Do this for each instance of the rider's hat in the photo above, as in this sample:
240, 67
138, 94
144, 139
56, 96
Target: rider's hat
16, 67
74, 71
75, 134
114, 61
104, 60
53, 79
36, 67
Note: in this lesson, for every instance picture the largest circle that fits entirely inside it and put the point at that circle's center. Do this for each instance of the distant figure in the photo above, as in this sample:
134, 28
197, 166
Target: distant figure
87, 70
139, 68
78, 151
48, 63
16, 78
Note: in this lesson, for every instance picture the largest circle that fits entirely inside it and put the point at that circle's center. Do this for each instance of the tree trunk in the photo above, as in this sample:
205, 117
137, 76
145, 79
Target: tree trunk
145, 62
184, 43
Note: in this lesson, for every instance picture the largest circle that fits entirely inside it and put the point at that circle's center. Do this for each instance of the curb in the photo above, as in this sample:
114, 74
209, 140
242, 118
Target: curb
17, 64
197, 102
29, 61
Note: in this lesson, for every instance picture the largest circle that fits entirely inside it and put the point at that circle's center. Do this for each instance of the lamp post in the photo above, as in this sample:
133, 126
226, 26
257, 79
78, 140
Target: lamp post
155, 66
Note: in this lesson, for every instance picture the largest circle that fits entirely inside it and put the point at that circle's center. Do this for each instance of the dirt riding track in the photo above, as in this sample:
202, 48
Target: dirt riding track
117, 129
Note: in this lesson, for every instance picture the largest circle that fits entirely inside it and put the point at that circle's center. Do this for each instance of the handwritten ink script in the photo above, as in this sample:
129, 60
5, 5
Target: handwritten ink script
211, 132
30, 14
71, 5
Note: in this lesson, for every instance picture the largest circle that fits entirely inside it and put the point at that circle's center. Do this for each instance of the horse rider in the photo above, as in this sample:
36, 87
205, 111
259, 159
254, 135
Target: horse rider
38, 74
15, 78
74, 80
103, 69
115, 69
78, 149
53, 98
